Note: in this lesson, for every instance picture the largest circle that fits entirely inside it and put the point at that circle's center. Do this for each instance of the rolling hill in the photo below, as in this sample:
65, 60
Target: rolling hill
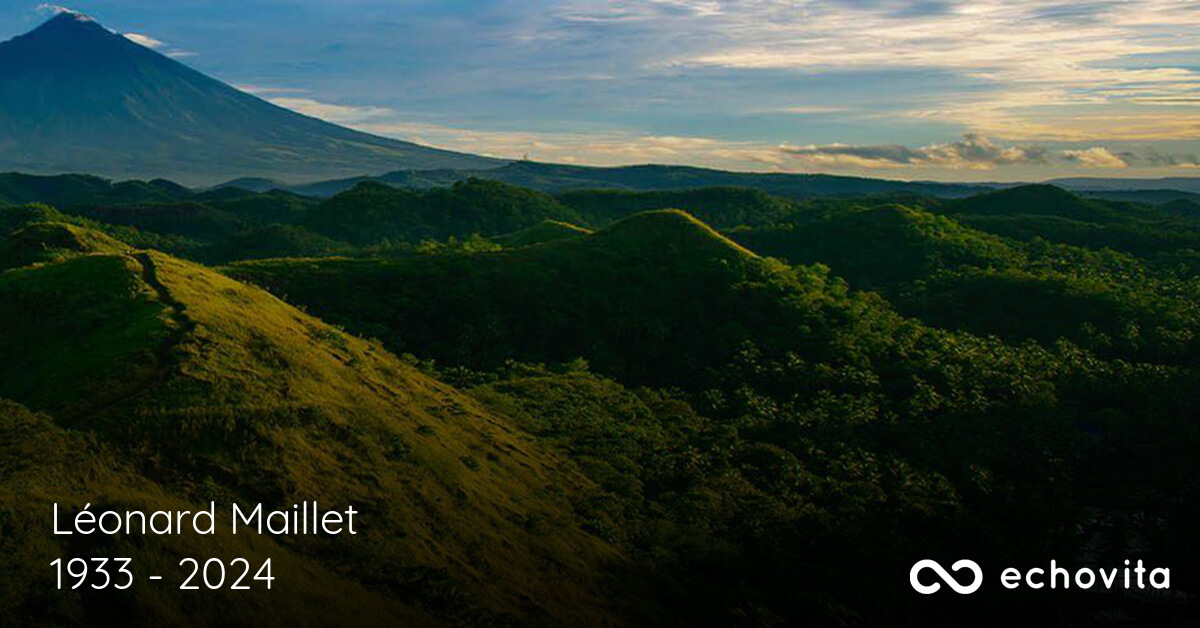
877, 247
190, 386
372, 213
644, 424
76, 97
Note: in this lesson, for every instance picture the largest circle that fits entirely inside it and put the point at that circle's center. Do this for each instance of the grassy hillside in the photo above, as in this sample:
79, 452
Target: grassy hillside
215, 390
44, 242
44, 464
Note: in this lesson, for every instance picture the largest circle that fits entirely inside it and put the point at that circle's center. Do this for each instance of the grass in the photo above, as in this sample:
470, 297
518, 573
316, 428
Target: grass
216, 388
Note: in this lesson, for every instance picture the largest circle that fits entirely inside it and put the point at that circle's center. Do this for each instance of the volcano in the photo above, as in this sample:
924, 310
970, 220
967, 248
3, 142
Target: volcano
77, 97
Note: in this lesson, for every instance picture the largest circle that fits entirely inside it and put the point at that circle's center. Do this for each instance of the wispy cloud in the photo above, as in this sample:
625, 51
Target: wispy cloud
1024, 68
144, 40
339, 114
972, 152
153, 43
59, 9
1095, 157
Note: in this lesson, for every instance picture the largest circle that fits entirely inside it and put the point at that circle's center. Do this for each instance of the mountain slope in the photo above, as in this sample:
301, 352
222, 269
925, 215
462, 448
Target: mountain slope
76, 97
205, 388
45, 464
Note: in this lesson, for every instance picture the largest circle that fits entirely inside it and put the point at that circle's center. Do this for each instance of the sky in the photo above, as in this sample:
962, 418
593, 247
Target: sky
931, 89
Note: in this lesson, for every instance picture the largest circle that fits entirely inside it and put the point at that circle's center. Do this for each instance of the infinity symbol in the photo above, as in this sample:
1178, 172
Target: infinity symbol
945, 576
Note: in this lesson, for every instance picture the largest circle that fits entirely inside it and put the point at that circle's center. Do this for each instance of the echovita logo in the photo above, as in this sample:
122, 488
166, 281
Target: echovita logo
1129, 577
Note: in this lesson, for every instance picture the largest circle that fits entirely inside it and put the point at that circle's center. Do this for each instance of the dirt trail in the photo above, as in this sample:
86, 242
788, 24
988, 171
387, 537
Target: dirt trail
164, 356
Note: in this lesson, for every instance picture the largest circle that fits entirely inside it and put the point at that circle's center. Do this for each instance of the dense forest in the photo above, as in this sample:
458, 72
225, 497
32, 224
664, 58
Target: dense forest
709, 406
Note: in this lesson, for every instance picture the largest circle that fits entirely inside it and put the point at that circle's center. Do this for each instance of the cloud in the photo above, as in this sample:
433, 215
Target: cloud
147, 41
1016, 70
57, 10
813, 110
144, 40
610, 148
1095, 157
338, 114
972, 152
1158, 159
268, 90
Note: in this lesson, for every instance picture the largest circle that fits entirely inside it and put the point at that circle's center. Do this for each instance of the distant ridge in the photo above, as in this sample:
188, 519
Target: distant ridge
1182, 184
555, 178
76, 97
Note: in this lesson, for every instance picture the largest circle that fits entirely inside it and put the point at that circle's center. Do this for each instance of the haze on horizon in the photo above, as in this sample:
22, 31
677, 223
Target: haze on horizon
935, 89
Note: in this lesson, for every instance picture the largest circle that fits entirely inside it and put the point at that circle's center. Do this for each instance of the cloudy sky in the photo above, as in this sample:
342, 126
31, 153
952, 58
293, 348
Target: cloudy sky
932, 89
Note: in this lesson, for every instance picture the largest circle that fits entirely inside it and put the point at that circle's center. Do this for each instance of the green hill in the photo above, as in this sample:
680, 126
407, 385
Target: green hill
545, 231
953, 276
196, 221
649, 284
205, 388
75, 189
273, 240
719, 207
52, 241
881, 246
373, 213
1043, 211
1038, 200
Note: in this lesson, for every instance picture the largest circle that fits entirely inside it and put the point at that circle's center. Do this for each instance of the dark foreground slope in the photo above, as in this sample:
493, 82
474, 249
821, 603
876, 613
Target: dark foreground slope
76, 97
166, 385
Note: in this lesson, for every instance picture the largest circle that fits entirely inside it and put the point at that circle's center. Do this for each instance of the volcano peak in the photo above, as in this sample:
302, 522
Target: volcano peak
78, 97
